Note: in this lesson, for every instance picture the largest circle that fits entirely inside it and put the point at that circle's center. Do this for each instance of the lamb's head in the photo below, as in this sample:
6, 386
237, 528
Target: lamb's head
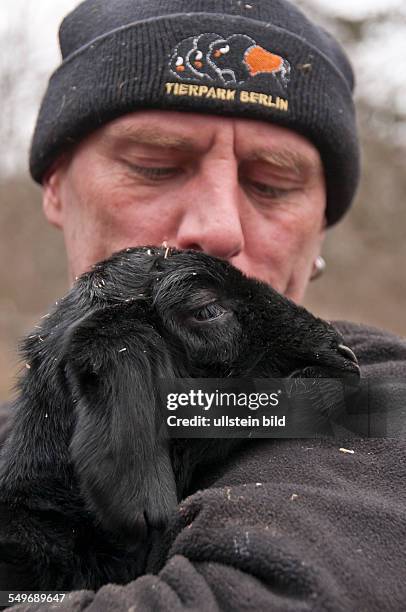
214, 321
145, 314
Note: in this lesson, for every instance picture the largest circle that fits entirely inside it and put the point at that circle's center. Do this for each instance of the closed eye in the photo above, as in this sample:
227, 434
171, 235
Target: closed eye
209, 313
269, 191
154, 173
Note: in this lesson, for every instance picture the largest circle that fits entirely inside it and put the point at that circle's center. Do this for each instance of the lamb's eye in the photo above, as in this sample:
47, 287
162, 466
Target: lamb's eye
209, 312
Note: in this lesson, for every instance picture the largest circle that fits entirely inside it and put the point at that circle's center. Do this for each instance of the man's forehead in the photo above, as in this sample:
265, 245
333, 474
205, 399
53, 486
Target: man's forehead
193, 132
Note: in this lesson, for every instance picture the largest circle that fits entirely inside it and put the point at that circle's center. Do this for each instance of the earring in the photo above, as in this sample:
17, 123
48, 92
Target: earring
319, 267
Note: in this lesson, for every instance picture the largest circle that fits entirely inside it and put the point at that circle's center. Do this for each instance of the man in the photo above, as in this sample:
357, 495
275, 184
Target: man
229, 128
259, 189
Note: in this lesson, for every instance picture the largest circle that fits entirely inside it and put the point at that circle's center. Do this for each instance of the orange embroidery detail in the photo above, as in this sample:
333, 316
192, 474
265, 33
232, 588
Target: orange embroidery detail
259, 60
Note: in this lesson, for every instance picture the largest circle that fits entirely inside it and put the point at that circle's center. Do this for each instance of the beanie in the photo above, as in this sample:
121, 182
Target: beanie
261, 60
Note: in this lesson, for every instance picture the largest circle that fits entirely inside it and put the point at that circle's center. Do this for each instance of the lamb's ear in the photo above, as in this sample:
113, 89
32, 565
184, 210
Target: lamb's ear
119, 447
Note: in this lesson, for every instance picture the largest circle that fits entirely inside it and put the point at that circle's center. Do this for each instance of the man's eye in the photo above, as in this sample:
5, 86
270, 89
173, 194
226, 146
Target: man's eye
269, 191
154, 173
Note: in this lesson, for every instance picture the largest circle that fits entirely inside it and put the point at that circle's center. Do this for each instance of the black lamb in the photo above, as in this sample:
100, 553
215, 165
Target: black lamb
87, 475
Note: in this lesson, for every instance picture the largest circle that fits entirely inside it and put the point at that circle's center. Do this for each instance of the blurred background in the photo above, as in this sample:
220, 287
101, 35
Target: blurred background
365, 279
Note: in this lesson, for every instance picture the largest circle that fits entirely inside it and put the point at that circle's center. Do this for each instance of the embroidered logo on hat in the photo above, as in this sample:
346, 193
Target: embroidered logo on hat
230, 61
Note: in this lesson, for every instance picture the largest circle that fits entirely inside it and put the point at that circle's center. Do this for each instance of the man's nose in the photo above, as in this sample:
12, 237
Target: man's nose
211, 219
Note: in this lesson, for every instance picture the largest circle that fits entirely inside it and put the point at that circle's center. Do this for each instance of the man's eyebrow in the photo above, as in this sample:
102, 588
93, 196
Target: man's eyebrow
153, 137
288, 159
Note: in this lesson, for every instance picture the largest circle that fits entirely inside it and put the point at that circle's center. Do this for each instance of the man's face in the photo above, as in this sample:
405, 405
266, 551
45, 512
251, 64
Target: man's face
243, 190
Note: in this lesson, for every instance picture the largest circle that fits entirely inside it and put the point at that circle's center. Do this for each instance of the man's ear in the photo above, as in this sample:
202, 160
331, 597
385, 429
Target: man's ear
51, 192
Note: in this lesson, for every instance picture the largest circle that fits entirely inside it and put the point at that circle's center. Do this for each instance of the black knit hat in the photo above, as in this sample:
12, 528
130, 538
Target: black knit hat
262, 60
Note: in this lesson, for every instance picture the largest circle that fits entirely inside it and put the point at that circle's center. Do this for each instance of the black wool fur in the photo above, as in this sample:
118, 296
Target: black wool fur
87, 475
